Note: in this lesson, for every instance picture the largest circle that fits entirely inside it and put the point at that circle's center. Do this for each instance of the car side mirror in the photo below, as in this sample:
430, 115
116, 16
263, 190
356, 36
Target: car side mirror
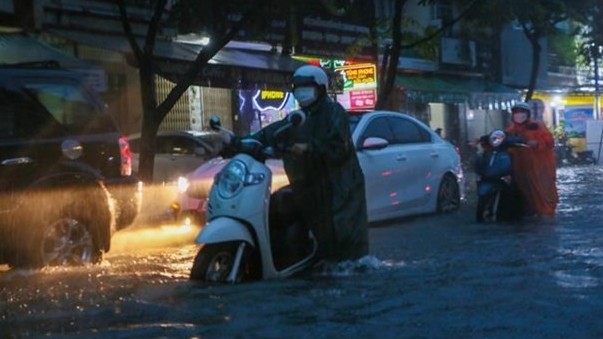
214, 122
374, 143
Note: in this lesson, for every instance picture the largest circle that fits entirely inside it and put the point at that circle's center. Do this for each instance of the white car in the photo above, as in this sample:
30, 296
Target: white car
177, 152
408, 170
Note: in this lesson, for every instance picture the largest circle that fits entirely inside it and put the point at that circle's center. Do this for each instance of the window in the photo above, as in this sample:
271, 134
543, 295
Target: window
407, 132
69, 106
378, 128
20, 117
442, 11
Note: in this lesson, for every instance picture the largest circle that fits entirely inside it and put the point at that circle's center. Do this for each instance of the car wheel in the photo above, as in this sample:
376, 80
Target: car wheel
214, 262
66, 228
67, 241
449, 196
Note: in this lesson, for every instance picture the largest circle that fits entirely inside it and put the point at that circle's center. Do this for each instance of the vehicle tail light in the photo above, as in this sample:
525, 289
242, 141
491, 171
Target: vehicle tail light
126, 157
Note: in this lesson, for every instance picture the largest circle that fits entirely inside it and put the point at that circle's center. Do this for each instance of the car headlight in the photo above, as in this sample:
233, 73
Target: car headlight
231, 179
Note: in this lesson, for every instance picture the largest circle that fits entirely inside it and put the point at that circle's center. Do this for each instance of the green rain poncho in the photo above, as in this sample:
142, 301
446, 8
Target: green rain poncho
327, 180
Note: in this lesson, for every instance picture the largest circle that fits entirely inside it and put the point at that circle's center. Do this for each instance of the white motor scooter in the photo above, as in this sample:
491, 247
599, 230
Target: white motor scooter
250, 232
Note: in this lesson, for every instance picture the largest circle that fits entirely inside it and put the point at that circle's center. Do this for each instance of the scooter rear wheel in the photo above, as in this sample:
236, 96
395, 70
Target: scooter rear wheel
486, 209
214, 262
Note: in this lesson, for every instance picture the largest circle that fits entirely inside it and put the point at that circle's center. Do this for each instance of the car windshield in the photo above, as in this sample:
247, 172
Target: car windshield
70, 106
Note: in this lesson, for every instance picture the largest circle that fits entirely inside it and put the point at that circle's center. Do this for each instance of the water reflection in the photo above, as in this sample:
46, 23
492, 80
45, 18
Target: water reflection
580, 254
426, 277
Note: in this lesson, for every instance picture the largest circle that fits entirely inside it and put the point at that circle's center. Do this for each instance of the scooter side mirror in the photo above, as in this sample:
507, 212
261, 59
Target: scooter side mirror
214, 123
296, 118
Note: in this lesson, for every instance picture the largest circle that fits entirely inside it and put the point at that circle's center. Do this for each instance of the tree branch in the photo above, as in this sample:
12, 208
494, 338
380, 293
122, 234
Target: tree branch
201, 60
128, 30
149, 43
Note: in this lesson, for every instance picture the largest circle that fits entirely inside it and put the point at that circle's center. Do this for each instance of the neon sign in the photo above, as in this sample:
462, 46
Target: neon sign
270, 100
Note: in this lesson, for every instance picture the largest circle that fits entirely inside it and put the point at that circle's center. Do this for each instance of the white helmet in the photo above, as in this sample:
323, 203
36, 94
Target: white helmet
310, 75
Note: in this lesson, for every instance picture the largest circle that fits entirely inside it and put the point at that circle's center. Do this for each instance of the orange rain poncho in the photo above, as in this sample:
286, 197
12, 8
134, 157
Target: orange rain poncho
534, 168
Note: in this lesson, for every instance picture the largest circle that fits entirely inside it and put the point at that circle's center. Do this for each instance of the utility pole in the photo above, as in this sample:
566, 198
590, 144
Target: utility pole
596, 53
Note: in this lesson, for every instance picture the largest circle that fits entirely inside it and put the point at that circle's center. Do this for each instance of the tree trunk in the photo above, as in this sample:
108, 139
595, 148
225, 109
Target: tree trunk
536, 49
154, 113
387, 85
150, 121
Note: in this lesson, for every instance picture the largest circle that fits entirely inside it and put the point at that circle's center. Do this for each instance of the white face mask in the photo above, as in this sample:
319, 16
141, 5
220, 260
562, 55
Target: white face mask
520, 118
305, 95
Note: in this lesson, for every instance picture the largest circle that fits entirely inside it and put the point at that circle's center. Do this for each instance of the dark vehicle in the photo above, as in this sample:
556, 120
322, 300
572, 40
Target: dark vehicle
65, 171
566, 156
498, 197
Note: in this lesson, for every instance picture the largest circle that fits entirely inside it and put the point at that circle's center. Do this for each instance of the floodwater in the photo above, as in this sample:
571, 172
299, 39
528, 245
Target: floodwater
431, 276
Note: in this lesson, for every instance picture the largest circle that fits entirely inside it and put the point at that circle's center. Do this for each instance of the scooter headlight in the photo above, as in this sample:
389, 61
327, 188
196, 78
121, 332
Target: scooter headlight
231, 179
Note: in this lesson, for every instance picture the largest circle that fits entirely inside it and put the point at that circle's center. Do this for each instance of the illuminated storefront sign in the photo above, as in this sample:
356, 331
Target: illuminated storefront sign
354, 83
258, 108
359, 76
358, 100
264, 100
362, 100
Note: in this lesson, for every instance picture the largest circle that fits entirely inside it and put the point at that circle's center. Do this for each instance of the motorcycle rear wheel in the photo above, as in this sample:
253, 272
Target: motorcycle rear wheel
485, 211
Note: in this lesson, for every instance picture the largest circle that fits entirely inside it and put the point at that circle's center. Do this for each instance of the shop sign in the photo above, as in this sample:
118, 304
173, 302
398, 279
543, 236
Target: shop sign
361, 76
575, 120
334, 38
362, 99
270, 100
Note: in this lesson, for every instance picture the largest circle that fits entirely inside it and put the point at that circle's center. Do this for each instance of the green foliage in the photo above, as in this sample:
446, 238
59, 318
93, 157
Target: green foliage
559, 131
591, 34
564, 47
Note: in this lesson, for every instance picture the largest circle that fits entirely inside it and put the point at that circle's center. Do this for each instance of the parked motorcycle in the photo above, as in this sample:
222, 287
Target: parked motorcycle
498, 197
567, 157
252, 233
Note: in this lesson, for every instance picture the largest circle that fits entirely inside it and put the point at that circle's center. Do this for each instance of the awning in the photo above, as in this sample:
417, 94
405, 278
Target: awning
180, 51
229, 68
20, 48
476, 93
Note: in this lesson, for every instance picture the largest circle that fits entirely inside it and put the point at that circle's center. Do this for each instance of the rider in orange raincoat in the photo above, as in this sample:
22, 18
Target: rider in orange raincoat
534, 167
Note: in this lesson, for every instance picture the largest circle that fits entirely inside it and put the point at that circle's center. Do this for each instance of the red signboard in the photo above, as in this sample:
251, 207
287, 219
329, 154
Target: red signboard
362, 99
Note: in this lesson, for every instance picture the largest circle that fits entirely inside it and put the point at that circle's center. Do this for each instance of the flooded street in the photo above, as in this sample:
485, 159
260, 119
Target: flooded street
432, 276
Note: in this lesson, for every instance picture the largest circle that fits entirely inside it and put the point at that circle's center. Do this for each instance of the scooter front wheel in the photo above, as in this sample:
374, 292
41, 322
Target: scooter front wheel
214, 262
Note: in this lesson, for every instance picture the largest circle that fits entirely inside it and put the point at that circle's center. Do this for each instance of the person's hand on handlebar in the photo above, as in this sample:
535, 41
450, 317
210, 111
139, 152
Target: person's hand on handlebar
298, 148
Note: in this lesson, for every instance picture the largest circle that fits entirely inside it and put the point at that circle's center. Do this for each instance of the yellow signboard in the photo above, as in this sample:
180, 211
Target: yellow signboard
359, 76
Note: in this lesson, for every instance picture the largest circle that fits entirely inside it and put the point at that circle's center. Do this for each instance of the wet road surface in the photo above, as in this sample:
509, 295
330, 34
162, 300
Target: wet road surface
431, 276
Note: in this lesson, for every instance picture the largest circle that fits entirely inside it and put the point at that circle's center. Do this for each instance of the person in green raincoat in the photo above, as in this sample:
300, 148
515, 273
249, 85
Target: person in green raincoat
323, 169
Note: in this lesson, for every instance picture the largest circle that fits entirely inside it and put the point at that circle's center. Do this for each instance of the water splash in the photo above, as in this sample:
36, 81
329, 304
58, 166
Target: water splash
366, 264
